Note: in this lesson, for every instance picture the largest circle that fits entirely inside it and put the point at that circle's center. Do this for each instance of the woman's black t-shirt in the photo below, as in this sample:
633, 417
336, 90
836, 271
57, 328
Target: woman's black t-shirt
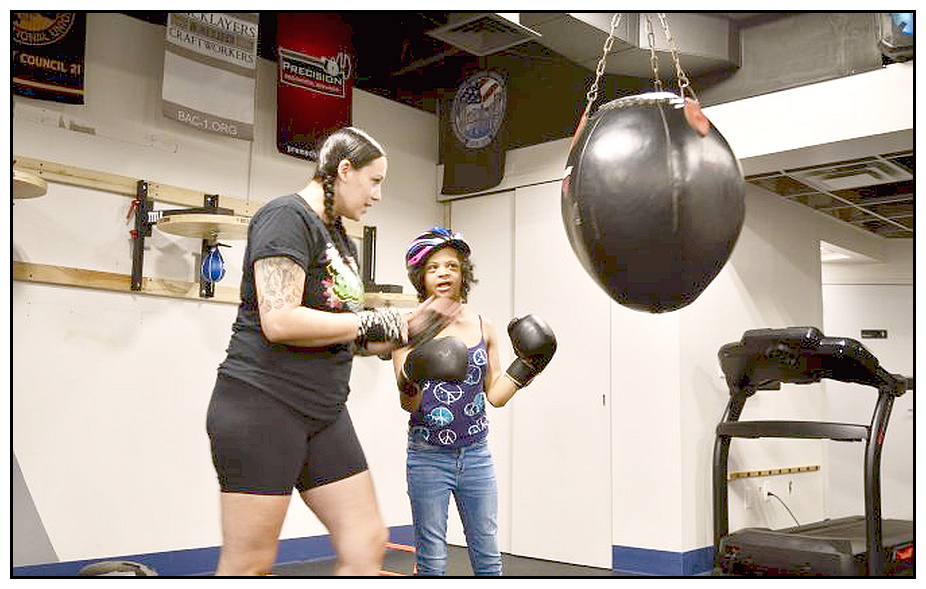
313, 381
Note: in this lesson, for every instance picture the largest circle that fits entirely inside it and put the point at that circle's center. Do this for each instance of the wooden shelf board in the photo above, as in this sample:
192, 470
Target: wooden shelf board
111, 281
95, 279
126, 186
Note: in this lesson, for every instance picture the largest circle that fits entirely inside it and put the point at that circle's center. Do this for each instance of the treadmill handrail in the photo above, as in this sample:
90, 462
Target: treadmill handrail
819, 430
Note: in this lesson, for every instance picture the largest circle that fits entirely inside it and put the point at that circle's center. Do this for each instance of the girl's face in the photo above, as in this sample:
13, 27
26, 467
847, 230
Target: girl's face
357, 189
443, 274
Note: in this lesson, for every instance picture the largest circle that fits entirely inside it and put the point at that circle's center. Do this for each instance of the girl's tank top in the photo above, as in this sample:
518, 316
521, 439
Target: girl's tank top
453, 414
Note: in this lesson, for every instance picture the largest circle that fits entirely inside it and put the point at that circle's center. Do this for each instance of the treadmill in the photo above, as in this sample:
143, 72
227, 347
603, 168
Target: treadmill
848, 546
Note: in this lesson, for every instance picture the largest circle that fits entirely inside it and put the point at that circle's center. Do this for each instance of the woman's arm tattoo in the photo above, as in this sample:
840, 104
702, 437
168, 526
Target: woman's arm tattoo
281, 282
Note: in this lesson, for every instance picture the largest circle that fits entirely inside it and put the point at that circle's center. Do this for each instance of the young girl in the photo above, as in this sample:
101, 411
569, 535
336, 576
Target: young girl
445, 384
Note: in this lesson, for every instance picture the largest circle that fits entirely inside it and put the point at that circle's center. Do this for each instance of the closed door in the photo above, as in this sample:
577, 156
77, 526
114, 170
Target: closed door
551, 443
561, 458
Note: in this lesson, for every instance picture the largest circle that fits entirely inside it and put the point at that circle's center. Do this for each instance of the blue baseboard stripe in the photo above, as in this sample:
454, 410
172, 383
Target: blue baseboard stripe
627, 560
201, 561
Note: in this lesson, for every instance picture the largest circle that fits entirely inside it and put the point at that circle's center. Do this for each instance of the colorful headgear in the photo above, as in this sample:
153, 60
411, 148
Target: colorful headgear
422, 246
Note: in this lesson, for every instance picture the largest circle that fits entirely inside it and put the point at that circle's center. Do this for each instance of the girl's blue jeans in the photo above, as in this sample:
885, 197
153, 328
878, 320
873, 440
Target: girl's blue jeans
434, 474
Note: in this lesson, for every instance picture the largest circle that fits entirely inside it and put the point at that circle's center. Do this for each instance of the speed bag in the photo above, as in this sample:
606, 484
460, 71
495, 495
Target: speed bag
652, 203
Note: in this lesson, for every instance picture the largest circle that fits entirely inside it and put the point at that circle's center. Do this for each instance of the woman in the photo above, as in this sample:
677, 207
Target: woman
277, 419
445, 384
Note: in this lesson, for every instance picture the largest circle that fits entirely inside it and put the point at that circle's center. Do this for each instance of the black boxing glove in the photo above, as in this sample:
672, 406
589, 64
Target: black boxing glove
444, 358
534, 344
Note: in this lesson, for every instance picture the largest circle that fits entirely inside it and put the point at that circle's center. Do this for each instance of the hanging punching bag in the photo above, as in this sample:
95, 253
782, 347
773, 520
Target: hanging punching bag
653, 200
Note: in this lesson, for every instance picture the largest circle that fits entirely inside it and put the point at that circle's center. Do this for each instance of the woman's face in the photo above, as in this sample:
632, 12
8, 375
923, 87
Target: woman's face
443, 273
358, 188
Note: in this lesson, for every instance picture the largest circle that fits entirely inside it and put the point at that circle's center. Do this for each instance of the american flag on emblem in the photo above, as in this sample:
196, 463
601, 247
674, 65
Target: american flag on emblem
484, 94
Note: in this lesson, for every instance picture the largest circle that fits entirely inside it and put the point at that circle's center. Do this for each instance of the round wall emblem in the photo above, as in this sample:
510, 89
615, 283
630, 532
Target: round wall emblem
41, 28
479, 109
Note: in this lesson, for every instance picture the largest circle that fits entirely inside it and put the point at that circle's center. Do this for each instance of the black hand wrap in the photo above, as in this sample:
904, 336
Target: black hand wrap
379, 325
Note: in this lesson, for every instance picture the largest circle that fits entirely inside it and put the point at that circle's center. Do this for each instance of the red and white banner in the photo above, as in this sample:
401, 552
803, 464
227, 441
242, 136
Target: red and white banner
315, 82
210, 71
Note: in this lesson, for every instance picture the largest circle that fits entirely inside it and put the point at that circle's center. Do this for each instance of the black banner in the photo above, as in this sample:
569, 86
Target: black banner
48, 55
474, 133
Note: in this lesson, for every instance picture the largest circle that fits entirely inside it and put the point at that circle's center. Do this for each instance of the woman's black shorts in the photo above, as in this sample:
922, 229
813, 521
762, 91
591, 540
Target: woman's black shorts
262, 446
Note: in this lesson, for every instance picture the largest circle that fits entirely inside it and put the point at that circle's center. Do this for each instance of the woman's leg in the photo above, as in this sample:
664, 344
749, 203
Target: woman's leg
348, 509
477, 500
250, 527
336, 485
258, 447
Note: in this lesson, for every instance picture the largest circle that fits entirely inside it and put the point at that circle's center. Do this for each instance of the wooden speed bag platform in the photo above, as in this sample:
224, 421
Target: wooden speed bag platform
208, 226
28, 185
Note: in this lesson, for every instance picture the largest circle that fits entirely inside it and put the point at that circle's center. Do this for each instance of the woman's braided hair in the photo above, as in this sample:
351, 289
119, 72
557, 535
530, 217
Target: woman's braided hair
357, 147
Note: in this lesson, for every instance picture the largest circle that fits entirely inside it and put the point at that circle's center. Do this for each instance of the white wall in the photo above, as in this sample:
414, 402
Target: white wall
895, 266
110, 389
849, 308
861, 293
673, 396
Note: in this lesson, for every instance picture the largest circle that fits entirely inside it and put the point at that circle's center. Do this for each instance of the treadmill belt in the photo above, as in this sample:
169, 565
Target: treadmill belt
830, 548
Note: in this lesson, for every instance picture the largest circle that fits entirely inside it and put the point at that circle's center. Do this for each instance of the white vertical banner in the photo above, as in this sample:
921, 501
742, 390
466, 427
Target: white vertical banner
210, 71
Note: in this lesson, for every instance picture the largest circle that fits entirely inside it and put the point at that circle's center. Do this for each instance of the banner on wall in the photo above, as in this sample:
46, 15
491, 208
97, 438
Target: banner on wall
210, 71
314, 88
474, 133
48, 55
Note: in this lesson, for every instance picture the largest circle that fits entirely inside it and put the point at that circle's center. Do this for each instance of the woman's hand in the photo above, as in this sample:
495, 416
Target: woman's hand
429, 318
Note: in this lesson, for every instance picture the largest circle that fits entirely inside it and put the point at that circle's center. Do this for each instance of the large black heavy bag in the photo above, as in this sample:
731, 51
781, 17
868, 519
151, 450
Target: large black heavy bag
653, 201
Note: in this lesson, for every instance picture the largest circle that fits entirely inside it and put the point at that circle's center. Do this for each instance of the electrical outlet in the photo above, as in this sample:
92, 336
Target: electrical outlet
764, 492
750, 497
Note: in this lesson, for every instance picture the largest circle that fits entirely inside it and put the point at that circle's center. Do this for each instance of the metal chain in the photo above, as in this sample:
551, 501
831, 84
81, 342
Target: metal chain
592, 94
654, 61
683, 83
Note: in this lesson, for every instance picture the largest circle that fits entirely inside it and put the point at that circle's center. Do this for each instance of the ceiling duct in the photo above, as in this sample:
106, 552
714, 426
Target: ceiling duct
705, 43
483, 33
858, 173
